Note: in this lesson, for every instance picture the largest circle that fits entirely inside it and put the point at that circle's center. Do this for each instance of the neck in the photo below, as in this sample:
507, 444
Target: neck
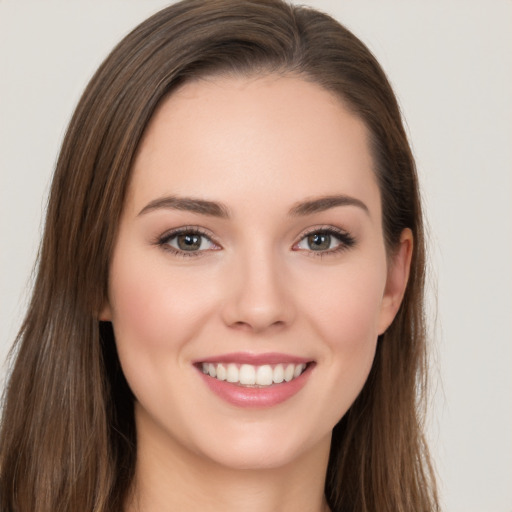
169, 477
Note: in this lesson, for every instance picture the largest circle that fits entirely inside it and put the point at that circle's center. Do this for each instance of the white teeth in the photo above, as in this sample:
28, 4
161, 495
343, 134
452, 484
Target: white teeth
250, 375
288, 373
278, 376
298, 370
247, 375
264, 375
221, 372
232, 373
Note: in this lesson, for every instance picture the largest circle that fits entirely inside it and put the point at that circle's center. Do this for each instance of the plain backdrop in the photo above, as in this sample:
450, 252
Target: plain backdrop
451, 67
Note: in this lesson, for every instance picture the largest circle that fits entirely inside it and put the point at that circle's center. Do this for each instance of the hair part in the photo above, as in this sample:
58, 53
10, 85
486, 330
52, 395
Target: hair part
68, 435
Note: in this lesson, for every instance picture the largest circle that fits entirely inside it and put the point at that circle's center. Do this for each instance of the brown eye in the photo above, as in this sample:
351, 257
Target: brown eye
319, 241
189, 242
328, 240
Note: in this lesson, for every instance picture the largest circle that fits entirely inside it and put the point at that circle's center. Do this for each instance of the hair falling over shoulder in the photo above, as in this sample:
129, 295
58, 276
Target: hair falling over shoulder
67, 440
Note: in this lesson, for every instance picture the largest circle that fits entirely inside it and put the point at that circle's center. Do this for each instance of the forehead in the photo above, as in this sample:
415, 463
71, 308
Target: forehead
284, 138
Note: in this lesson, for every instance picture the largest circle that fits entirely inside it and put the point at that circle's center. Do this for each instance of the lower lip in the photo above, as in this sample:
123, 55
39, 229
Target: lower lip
263, 397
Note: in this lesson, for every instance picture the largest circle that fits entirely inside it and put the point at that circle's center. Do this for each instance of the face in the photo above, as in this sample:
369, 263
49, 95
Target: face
249, 280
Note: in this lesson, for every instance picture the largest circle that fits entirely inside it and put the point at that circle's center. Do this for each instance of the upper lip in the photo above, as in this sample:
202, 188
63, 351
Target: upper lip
254, 359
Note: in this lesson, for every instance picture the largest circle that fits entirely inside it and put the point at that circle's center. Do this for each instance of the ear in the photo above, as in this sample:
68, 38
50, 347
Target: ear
105, 313
398, 274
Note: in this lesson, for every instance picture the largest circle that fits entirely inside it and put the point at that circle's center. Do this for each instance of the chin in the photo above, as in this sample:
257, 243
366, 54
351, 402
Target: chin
264, 448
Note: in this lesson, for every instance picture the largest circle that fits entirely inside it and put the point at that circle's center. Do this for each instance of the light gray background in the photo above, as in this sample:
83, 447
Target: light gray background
451, 66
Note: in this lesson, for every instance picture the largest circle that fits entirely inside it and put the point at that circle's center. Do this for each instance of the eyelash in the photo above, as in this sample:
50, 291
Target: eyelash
346, 241
163, 240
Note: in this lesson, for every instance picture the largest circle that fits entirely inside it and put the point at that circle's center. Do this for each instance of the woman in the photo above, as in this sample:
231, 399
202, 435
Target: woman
228, 308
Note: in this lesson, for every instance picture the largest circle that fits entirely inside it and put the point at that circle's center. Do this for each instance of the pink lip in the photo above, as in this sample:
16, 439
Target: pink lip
254, 397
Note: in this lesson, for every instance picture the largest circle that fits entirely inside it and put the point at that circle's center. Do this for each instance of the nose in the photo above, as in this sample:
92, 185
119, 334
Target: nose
258, 296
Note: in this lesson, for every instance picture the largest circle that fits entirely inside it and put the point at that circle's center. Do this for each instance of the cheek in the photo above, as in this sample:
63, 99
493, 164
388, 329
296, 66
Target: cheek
346, 318
347, 312
155, 308
342, 318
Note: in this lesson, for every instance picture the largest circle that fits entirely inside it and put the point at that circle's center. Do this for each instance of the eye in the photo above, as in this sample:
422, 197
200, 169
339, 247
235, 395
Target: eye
328, 240
187, 240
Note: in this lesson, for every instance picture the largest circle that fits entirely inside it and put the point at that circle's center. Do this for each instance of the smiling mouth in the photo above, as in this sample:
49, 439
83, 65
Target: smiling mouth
248, 375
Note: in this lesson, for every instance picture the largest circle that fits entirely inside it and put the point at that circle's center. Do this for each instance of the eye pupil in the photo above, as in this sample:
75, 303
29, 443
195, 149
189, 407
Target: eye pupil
319, 241
189, 242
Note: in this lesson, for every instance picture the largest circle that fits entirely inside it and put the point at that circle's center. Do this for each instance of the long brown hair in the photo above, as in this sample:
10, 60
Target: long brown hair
68, 438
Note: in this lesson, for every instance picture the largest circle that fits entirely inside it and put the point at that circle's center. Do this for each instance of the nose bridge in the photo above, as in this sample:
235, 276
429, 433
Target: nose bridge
258, 297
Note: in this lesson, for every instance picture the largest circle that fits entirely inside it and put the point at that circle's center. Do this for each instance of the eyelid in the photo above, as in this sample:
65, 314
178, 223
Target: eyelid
346, 239
163, 240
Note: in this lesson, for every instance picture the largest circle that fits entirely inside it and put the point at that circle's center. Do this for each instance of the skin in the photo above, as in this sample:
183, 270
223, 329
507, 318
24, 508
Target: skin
259, 146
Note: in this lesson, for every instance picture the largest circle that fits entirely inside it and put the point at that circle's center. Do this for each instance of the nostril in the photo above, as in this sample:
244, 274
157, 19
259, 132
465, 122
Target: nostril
241, 325
248, 326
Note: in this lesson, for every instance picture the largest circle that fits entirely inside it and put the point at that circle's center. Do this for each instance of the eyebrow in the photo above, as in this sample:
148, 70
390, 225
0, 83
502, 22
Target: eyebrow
325, 203
215, 209
189, 204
